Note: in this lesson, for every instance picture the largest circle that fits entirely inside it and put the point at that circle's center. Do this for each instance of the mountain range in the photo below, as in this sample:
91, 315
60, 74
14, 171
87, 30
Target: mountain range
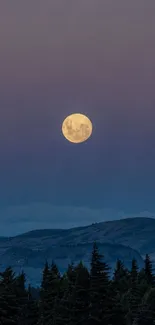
124, 239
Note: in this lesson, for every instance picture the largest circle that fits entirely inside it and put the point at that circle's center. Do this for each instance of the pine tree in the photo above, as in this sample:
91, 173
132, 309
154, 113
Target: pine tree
43, 304
80, 295
65, 311
21, 296
119, 271
44, 283
71, 276
31, 312
121, 277
118, 286
99, 288
49, 295
134, 273
9, 309
148, 271
134, 293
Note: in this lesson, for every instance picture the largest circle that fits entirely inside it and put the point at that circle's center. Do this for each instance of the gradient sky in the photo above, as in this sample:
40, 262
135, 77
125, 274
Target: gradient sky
59, 57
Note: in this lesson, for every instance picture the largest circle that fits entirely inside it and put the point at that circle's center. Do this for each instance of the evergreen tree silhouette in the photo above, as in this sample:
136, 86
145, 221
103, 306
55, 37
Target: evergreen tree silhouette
81, 294
99, 288
148, 271
134, 293
31, 311
121, 277
9, 308
21, 296
49, 294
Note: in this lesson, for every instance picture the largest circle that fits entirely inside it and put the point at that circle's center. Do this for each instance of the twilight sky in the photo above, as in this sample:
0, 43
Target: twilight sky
59, 57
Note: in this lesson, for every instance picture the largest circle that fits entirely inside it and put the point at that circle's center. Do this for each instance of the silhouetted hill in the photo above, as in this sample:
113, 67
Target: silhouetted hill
137, 233
124, 239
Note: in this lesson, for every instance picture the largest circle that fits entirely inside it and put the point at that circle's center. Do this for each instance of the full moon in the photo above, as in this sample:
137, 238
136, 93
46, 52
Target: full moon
77, 128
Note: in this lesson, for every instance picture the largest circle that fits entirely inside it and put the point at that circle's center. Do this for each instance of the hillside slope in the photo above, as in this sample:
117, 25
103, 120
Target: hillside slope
122, 239
138, 233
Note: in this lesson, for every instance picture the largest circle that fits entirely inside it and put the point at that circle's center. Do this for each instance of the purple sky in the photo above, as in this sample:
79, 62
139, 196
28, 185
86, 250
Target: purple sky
89, 56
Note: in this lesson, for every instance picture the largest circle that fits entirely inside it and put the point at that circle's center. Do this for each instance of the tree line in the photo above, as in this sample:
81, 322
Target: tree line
81, 296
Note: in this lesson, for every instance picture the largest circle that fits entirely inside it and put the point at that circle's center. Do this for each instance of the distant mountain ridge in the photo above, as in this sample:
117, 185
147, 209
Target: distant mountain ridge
124, 239
134, 232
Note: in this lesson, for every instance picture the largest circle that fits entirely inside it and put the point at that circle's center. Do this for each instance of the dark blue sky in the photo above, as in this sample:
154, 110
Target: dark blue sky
93, 57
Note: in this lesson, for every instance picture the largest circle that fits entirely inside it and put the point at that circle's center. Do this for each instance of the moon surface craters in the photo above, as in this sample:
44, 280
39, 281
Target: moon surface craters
78, 132
77, 128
